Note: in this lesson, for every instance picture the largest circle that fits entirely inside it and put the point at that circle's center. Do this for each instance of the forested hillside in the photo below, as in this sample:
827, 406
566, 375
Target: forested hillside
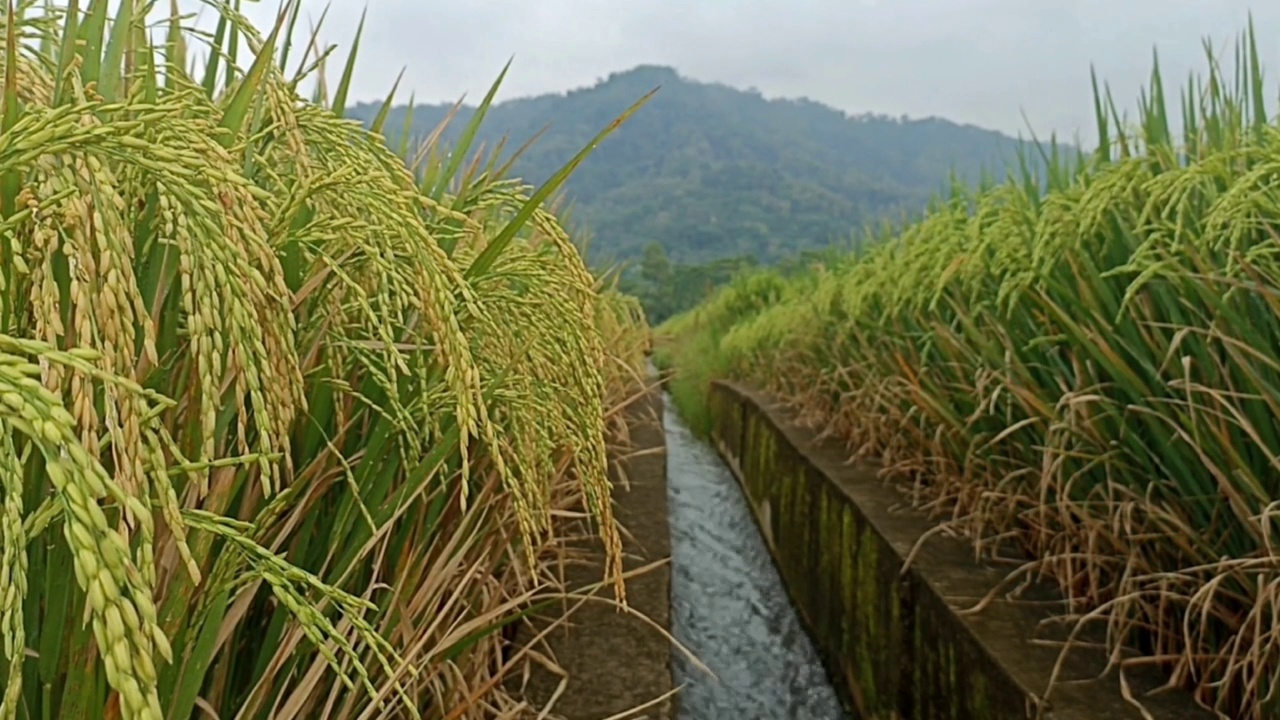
709, 172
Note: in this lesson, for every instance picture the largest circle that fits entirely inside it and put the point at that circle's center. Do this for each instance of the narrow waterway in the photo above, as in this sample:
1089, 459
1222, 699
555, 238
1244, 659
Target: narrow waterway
728, 603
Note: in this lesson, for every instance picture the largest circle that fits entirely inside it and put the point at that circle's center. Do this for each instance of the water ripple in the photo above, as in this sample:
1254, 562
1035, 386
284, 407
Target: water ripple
728, 604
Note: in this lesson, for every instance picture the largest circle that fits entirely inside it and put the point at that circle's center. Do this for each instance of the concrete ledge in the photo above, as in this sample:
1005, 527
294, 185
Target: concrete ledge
614, 661
894, 643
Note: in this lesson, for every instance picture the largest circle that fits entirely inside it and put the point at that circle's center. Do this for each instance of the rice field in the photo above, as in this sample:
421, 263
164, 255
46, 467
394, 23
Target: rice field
286, 409
1083, 372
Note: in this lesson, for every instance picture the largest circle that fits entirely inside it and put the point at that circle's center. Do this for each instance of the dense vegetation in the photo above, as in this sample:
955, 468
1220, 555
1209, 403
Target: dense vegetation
284, 419
664, 288
1088, 369
709, 172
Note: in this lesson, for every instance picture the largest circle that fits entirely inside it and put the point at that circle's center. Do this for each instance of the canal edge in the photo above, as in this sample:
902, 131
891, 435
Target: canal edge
614, 660
893, 641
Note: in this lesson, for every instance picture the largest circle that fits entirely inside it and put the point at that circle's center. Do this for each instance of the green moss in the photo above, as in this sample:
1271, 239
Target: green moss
762, 461
921, 655
869, 641
979, 696
804, 530
848, 581
953, 687
784, 526
823, 576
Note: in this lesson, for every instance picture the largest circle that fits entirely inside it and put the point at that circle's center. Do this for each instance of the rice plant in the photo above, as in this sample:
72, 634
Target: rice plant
285, 410
1084, 371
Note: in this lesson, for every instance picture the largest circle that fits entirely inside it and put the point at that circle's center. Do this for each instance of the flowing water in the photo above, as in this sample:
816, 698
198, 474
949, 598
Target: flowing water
728, 603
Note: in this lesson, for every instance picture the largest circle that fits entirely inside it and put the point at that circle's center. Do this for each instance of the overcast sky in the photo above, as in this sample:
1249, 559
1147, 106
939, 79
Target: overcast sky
977, 61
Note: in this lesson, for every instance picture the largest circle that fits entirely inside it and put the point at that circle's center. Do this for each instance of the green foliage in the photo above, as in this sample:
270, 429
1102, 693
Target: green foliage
708, 172
690, 341
665, 289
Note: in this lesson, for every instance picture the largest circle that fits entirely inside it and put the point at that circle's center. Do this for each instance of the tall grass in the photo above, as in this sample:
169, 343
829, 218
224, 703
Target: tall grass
695, 354
1085, 371
284, 414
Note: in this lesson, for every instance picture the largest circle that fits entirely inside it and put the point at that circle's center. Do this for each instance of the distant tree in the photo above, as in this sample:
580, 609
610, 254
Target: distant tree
655, 267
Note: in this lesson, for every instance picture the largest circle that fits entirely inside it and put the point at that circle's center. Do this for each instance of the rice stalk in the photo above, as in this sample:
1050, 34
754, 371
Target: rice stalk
299, 416
1081, 370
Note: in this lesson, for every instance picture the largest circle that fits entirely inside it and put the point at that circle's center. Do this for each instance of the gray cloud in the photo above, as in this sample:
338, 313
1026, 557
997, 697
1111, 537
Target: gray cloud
978, 61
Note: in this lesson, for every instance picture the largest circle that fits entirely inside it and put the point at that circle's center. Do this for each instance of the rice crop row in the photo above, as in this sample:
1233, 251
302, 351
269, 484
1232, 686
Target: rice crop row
1085, 372
284, 410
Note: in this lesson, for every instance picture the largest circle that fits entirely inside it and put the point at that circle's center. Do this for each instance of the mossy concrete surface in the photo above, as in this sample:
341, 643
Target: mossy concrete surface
894, 642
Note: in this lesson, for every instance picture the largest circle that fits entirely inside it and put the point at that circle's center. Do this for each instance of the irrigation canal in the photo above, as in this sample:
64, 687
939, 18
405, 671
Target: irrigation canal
729, 607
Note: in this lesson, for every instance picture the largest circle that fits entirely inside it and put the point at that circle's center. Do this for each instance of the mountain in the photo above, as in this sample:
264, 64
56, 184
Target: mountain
707, 171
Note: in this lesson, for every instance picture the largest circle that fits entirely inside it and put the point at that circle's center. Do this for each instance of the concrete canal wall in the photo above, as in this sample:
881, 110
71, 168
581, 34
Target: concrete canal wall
893, 642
